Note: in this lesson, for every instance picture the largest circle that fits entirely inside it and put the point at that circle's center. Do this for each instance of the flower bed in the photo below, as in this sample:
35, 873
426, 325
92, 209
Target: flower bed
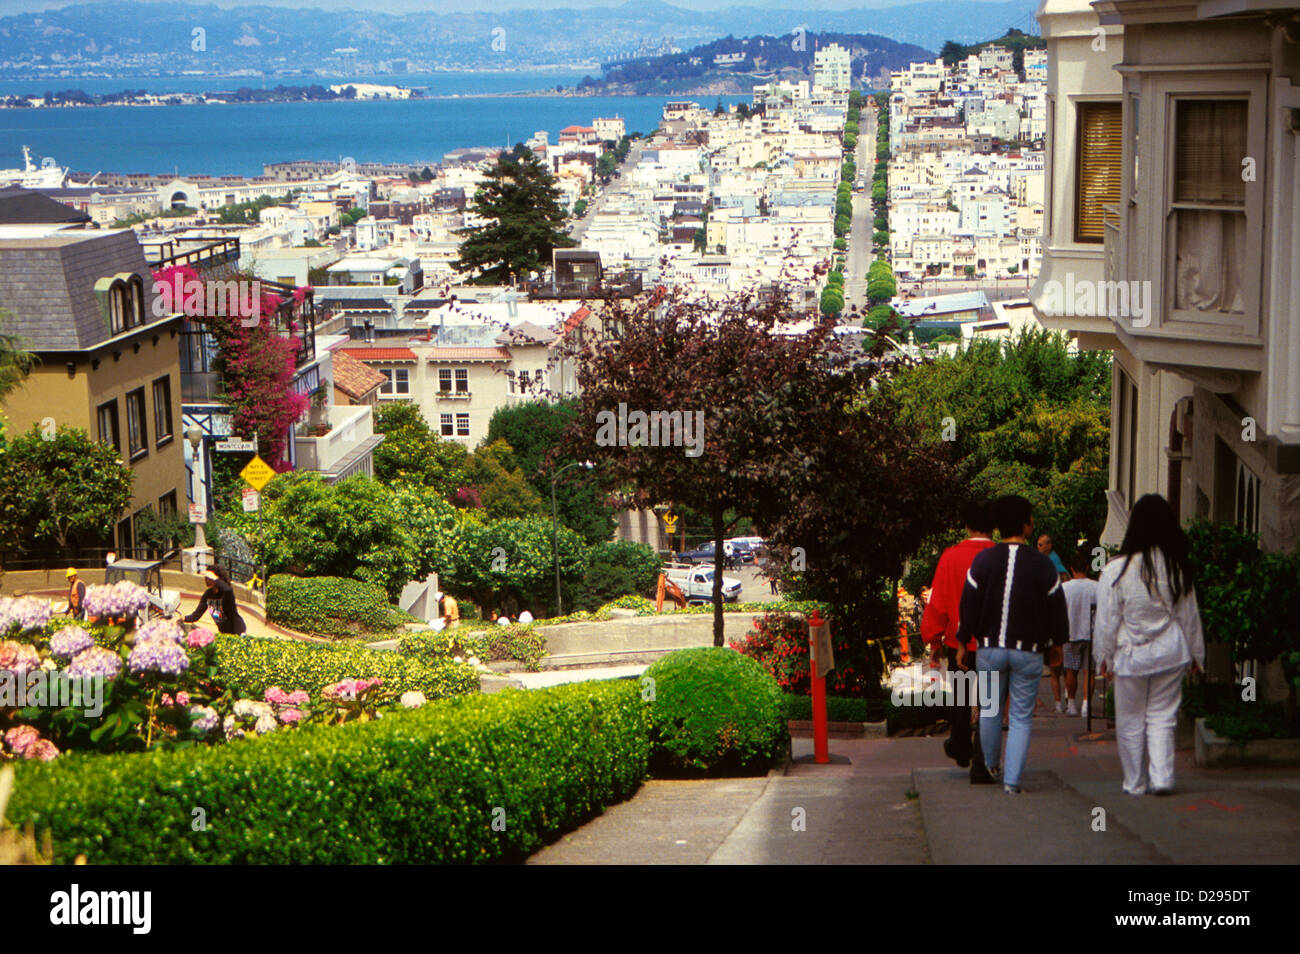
102, 688
479, 779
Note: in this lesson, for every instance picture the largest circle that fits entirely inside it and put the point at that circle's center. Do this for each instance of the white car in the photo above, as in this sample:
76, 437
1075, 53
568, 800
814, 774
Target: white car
696, 583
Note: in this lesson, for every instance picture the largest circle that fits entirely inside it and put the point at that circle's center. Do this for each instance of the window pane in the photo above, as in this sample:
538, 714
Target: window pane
387, 386
1210, 138
462, 425
444, 379
108, 432
445, 421
162, 408
462, 379
402, 383
1100, 158
136, 432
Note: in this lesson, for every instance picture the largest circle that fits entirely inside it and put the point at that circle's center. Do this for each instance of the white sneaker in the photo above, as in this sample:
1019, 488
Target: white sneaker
1071, 710
1083, 709
1059, 710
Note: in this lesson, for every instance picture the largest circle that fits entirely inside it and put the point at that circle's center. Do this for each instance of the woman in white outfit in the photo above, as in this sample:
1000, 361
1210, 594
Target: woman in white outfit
1147, 633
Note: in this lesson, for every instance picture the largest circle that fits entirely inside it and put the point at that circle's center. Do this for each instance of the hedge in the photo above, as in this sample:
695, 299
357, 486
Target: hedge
838, 708
523, 643
420, 786
714, 711
255, 664
330, 605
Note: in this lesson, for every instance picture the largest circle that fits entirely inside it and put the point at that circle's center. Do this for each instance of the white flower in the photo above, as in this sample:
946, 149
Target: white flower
473, 661
49, 664
413, 699
265, 724
457, 659
252, 709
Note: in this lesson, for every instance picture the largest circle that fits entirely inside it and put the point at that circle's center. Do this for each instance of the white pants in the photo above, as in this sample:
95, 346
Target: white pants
1146, 712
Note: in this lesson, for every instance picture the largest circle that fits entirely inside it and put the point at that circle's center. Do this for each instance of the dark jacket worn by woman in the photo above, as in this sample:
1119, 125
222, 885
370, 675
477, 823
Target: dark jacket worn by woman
225, 613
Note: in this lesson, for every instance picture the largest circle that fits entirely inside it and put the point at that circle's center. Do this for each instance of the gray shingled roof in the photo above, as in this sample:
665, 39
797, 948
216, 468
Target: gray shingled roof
47, 284
19, 206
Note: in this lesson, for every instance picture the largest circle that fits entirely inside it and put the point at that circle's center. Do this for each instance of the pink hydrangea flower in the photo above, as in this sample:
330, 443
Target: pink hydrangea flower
20, 738
276, 696
43, 750
198, 638
290, 716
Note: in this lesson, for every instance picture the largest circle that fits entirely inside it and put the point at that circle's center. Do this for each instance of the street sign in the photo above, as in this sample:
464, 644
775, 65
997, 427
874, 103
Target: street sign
252, 499
198, 513
236, 444
257, 474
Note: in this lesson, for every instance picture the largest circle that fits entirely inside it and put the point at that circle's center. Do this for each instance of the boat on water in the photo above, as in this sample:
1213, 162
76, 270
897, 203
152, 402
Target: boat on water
48, 175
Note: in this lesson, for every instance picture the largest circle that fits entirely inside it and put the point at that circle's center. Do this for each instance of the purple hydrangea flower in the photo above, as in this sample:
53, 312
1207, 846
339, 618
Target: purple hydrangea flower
69, 641
205, 718
24, 614
158, 655
19, 658
96, 661
161, 631
122, 598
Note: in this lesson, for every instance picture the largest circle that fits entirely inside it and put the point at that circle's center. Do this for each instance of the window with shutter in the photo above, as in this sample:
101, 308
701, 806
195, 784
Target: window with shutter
1101, 149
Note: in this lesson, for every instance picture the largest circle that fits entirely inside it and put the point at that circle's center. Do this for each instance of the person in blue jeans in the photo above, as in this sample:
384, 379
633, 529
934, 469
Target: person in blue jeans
1014, 608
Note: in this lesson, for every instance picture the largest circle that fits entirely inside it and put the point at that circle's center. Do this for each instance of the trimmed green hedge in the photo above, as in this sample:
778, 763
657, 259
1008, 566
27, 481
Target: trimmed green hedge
714, 711
420, 786
330, 605
494, 643
252, 665
838, 709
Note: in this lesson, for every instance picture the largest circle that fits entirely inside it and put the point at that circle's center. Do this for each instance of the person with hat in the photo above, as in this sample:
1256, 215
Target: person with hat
219, 597
76, 595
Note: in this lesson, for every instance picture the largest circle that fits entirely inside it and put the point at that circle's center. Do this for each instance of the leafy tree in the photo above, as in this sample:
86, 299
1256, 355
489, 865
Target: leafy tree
1028, 417
64, 490
606, 165
580, 208
832, 300
502, 490
878, 316
412, 452
534, 430
616, 568
525, 222
512, 561
354, 528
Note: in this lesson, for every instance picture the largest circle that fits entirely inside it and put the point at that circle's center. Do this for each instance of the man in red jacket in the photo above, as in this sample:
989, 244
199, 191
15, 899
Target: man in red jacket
939, 629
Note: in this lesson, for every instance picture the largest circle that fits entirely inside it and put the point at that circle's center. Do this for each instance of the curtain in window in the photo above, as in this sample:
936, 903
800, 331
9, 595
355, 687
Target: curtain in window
1208, 270
1211, 244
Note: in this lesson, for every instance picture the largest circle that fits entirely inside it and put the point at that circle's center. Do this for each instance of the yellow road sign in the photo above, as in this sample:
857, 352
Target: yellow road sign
257, 474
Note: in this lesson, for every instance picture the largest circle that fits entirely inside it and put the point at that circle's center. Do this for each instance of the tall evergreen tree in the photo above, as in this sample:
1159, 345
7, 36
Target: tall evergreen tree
525, 221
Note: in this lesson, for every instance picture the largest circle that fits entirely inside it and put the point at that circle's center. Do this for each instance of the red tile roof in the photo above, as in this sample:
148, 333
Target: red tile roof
576, 319
378, 354
354, 378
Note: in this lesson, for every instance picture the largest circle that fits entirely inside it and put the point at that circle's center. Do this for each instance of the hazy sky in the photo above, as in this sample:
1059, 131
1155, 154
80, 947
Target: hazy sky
9, 7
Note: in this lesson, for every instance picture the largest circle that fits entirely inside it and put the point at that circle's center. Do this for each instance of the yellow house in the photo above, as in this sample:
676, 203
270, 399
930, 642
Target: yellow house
83, 304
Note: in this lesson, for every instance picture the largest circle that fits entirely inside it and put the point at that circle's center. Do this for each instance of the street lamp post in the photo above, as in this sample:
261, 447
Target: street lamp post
195, 437
555, 529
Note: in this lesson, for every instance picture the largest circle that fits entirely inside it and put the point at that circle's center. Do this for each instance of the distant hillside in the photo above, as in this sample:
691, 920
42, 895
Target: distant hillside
733, 65
112, 37
1013, 40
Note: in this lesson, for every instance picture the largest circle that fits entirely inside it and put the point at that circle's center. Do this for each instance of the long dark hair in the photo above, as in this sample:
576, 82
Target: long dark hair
1153, 526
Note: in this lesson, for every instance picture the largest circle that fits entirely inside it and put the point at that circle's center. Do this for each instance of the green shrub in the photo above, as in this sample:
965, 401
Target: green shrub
714, 712
422, 786
838, 709
252, 665
330, 605
523, 643
615, 568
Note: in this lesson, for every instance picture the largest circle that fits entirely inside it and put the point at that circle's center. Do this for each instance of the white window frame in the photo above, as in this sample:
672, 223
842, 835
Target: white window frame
446, 425
462, 424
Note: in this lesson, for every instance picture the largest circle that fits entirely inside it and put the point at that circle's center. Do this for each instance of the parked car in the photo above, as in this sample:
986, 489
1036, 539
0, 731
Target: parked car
704, 553
696, 583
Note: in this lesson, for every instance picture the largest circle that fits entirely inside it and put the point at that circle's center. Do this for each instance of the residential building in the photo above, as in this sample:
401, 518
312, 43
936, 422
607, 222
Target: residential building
83, 301
833, 68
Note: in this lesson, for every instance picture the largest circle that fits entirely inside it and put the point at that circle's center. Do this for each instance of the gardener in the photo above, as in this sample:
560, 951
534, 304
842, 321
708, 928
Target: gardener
219, 597
76, 595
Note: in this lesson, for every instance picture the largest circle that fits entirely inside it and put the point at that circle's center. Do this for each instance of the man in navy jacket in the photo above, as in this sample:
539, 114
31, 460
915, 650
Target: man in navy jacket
1014, 608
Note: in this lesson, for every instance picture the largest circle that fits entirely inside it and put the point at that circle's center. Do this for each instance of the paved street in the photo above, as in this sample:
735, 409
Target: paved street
900, 800
598, 203
859, 257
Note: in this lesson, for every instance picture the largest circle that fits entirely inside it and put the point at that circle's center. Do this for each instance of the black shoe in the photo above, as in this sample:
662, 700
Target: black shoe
962, 762
980, 776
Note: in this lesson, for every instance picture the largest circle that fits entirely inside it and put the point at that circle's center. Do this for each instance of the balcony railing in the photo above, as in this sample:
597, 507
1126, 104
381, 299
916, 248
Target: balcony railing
612, 286
202, 253
1111, 243
349, 428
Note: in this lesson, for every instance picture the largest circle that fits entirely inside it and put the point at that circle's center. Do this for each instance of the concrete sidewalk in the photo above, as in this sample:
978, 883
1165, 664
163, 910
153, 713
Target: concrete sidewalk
901, 801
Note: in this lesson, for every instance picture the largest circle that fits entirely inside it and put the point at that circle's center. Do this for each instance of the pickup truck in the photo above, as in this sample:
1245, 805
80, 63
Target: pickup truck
730, 554
696, 583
